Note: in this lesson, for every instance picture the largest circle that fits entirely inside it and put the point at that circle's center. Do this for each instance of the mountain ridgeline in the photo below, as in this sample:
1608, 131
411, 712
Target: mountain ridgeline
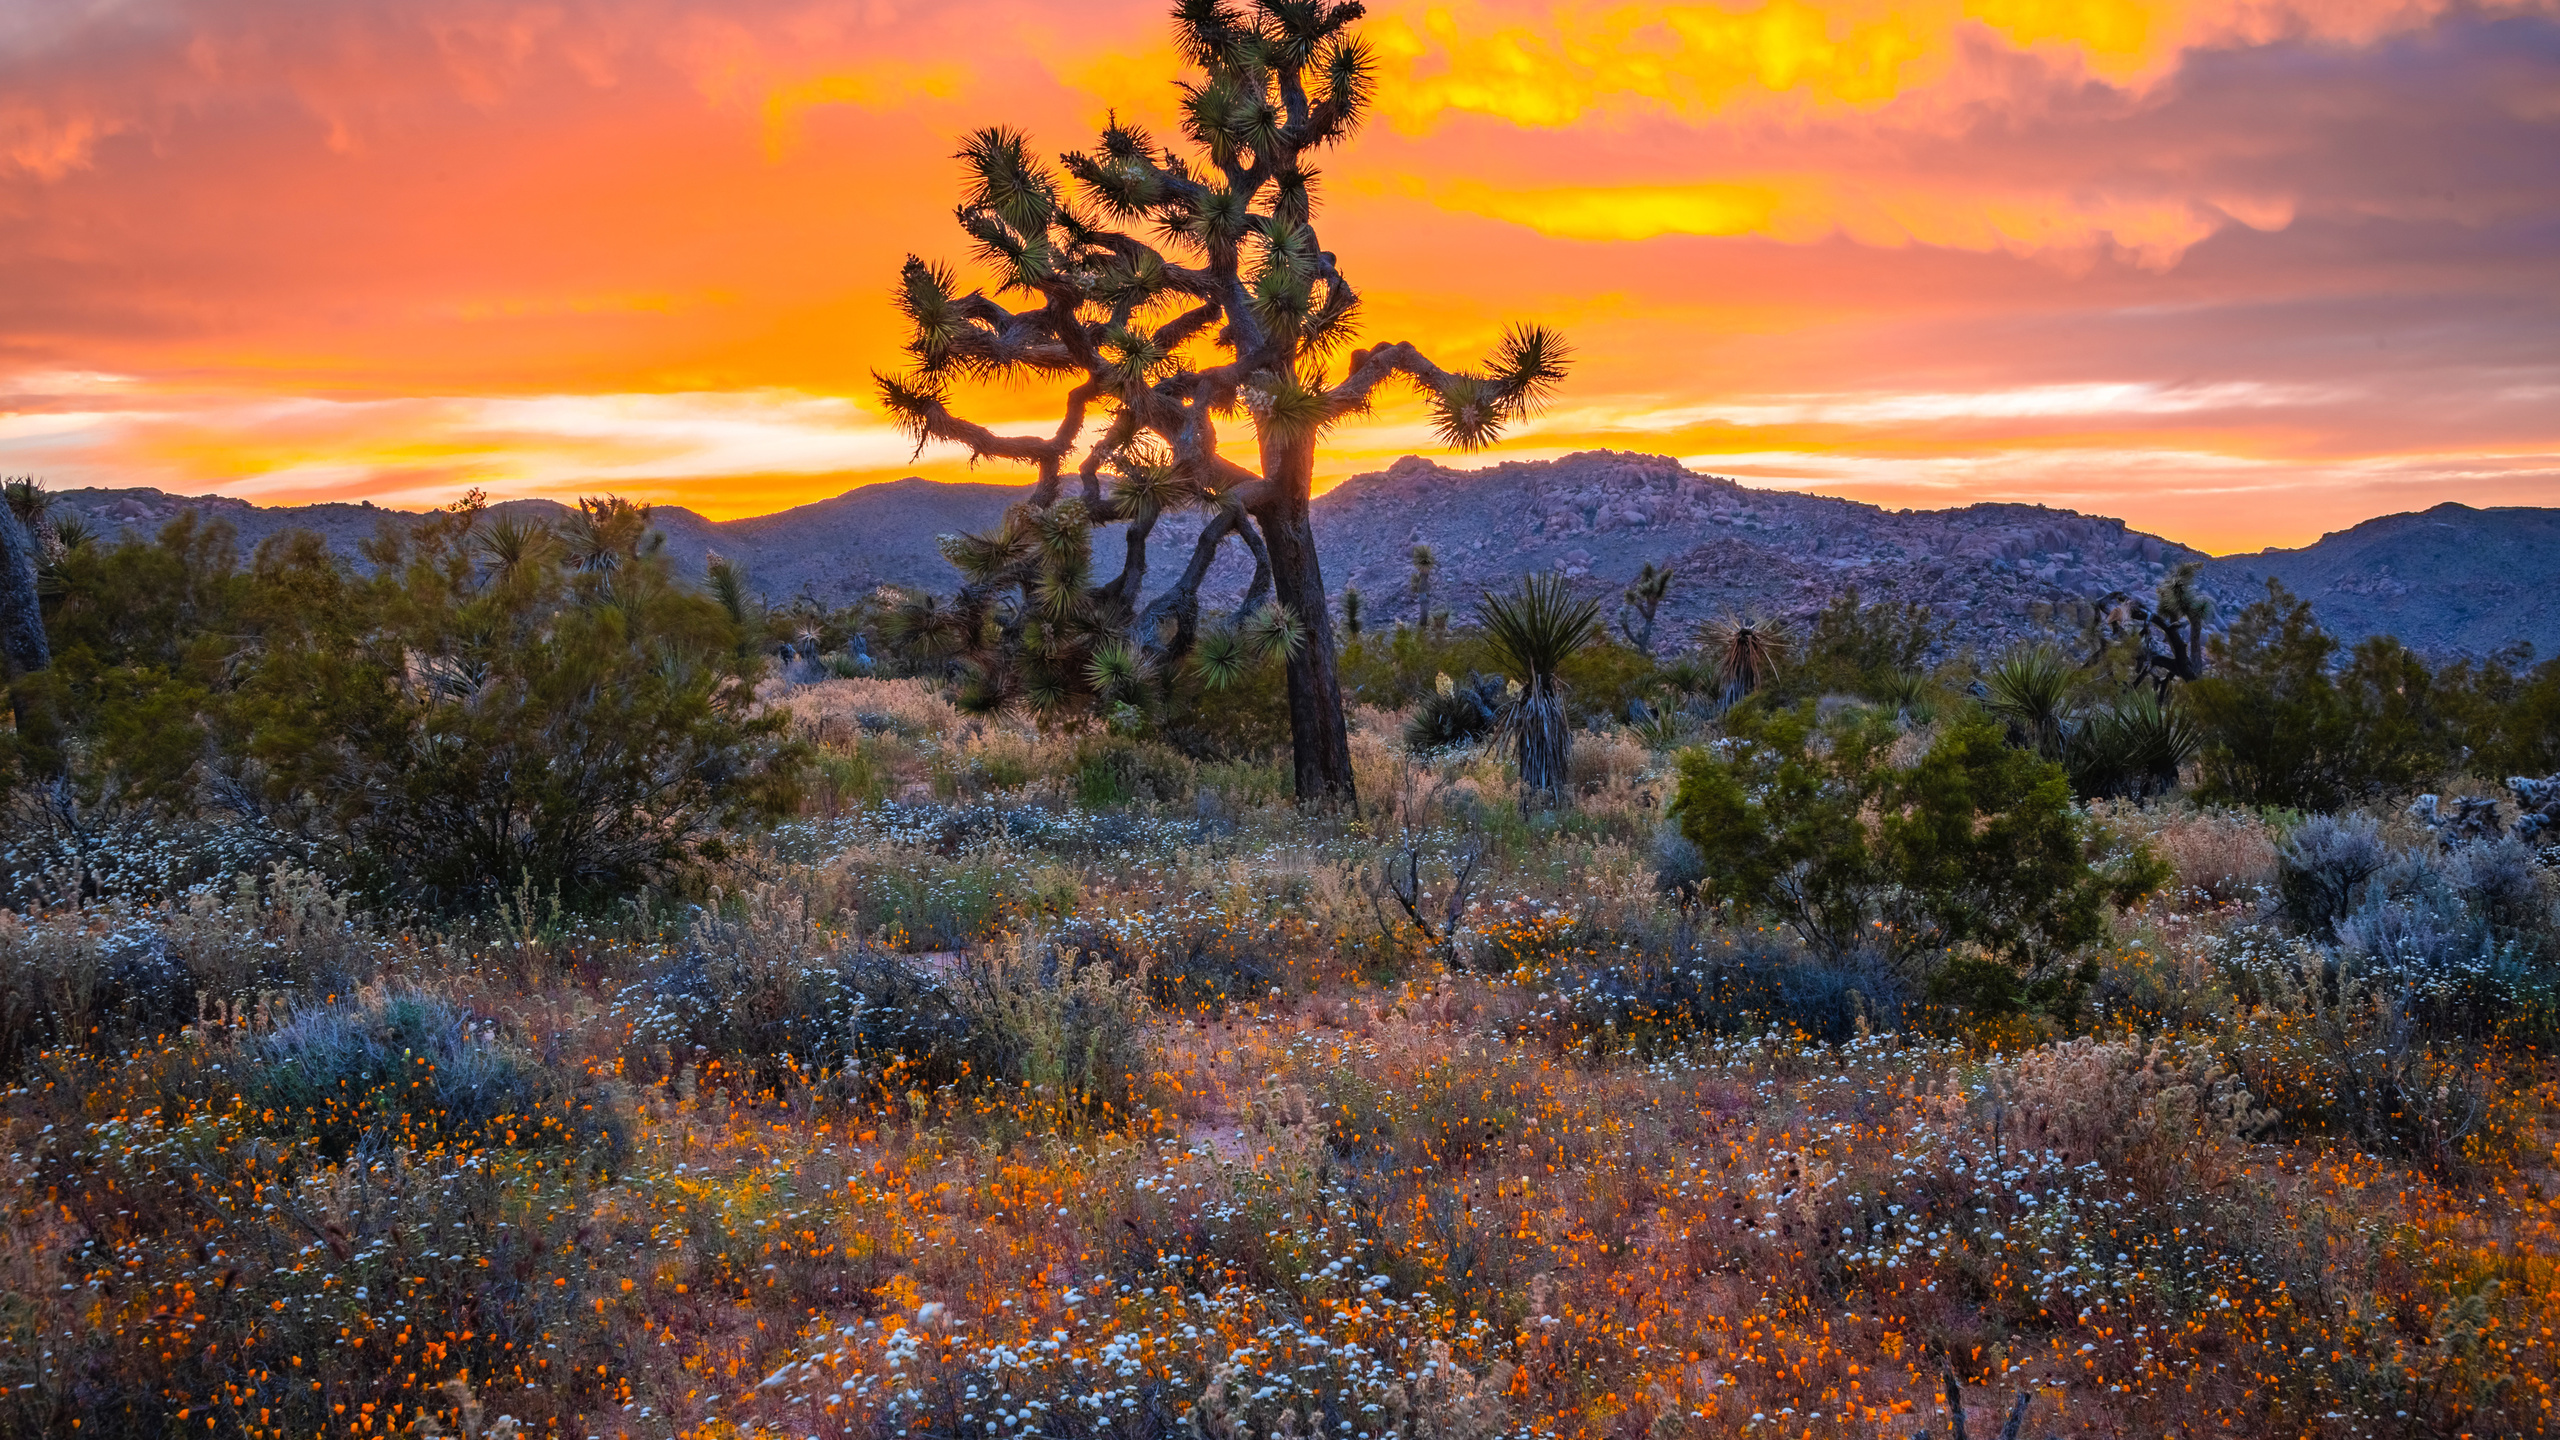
2450, 580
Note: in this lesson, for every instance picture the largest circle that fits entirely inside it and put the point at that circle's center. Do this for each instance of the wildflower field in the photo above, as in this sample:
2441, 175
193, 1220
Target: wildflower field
1052, 1085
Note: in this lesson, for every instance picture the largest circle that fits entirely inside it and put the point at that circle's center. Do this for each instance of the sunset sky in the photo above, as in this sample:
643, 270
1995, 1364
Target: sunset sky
2240, 271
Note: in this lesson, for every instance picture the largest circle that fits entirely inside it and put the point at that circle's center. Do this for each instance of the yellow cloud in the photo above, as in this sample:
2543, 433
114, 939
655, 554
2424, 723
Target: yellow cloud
1806, 208
1545, 67
1687, 58
1628, 212
869, 87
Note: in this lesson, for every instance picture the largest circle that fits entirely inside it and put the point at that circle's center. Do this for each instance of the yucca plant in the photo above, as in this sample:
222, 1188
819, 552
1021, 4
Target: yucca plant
1456, 712
1746, 652
1166, 287
2134, 747
510, 546
1532, 631
2029, 691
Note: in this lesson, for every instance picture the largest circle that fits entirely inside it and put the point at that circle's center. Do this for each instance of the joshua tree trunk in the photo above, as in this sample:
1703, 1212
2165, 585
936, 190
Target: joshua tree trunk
1319, 741
22, 640
23, 647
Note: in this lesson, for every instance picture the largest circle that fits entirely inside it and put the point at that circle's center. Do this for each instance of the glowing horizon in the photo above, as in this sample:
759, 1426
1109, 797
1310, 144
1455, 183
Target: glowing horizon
2239, 272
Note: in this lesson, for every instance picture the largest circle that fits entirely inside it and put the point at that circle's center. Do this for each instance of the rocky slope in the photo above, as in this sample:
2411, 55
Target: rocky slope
2451, 579
2448, 580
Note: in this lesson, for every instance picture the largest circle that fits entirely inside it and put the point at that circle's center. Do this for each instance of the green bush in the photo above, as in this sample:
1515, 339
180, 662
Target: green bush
493, 705
2280, 728
1972, 842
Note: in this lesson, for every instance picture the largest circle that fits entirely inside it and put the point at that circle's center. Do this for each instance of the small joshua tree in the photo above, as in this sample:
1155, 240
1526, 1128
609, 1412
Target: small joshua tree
1237, 307
1642, 600
1426, 566
2167, 633
1533, 631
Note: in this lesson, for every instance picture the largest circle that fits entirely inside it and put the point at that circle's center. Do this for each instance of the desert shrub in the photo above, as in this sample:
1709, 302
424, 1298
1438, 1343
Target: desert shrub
1679, 867
1189, 960
1067, 1050
2280, 724
2133, 1107
82, 981
490, 705
2223, 855
2504, 880
112, 975
1658, 999
2344, 1051
586, 732
2323, 867
766, 1023
770, 1004
1853, 647
1117, 772
409, 1071
2459, 938
1971, 841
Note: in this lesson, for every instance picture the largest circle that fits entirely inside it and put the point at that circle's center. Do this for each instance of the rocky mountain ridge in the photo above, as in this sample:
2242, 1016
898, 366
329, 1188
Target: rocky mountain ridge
2449, 580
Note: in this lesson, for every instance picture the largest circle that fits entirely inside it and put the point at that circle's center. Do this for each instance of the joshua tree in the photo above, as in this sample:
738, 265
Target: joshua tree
1425, 566
1533, 631
2168, 631
24, 649
1745, 651
1241, 310
1351, 611
1642, 599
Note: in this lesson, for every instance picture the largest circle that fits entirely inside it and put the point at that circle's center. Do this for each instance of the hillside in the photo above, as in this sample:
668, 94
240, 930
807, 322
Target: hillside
2443, 580
2450, 579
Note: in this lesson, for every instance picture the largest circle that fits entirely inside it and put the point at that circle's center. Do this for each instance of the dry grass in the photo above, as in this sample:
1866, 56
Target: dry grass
2222, 855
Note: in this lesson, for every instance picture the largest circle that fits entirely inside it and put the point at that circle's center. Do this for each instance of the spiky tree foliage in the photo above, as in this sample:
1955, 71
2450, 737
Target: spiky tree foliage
1746, 651
1426, 568
1532, 631
2165, 634
1351, 611
1232, 306
1642, 600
